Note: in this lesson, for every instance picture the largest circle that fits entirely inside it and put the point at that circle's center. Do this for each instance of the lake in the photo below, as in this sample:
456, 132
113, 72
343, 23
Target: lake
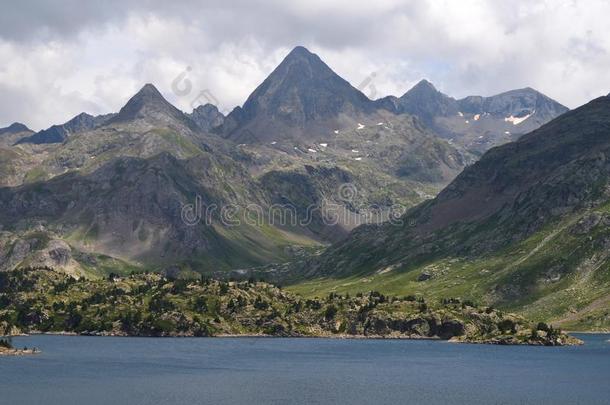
103, 370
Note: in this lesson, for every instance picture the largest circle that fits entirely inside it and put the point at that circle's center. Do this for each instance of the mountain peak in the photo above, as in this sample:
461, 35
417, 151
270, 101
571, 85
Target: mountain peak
149, 89
300, 93
149, 104
148, 93
426, 102
14, 128
424, 84
301, 56
299, 51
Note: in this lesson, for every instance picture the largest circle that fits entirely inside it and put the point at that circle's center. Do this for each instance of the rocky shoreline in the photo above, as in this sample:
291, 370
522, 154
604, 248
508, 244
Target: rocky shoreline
18, 352
563, 340
7, 349
150, 305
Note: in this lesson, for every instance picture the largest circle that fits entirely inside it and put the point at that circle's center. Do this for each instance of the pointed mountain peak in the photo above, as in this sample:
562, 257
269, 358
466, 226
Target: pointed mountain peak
149, 104
424, 84
426, 102
300, 52
301, 56
423, 88
149, 90
148, 93
301, 92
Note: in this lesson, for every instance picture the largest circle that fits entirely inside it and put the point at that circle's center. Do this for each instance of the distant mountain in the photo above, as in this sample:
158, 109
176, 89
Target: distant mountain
59, 133
11, 134
111, 196
150, 107
301, 99
427, 103
477, 123
525, 227
301, 136
14, 128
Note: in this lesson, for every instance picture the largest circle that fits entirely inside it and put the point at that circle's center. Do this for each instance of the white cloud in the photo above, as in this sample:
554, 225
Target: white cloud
91, 59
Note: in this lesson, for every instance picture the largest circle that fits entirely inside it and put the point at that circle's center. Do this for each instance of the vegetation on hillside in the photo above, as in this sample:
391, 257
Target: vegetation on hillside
153, 305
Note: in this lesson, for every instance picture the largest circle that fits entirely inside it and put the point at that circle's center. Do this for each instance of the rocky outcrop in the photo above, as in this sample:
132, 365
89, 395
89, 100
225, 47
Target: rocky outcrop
207, 117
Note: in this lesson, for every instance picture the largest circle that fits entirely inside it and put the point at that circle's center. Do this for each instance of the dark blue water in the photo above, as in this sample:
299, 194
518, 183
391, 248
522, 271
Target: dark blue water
98, 370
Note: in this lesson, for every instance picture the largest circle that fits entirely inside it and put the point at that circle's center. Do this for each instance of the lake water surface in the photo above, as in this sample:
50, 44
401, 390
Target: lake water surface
110, 370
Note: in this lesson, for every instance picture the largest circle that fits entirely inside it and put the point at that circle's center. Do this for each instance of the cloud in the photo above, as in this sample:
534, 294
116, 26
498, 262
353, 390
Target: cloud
62, 59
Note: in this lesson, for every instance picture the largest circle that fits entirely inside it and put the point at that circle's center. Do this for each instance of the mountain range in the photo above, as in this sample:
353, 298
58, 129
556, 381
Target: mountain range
508, 219
526, 227
474, 122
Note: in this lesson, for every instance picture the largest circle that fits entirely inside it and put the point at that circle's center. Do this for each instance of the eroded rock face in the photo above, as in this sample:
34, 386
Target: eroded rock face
59, 252
42, 250
429, 326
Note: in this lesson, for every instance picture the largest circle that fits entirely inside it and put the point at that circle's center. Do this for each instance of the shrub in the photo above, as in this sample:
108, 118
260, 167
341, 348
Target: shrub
330, 312
6, 343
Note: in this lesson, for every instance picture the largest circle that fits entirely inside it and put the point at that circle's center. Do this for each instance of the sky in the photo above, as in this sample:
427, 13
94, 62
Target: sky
60, 58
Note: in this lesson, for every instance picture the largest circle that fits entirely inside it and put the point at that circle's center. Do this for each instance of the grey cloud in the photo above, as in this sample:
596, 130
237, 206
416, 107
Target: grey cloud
475, 47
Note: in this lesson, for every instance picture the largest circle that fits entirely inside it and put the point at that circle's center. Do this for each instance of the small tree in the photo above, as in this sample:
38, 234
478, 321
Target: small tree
6, 343
330, 312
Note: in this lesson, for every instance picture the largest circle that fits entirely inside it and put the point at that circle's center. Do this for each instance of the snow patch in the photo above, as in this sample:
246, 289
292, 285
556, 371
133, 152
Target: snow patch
477, 117
460, 114
355, 151
360, 126
311, 150
379, 123
518, 120
336, 131
324, 145
273, 143
358, 158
